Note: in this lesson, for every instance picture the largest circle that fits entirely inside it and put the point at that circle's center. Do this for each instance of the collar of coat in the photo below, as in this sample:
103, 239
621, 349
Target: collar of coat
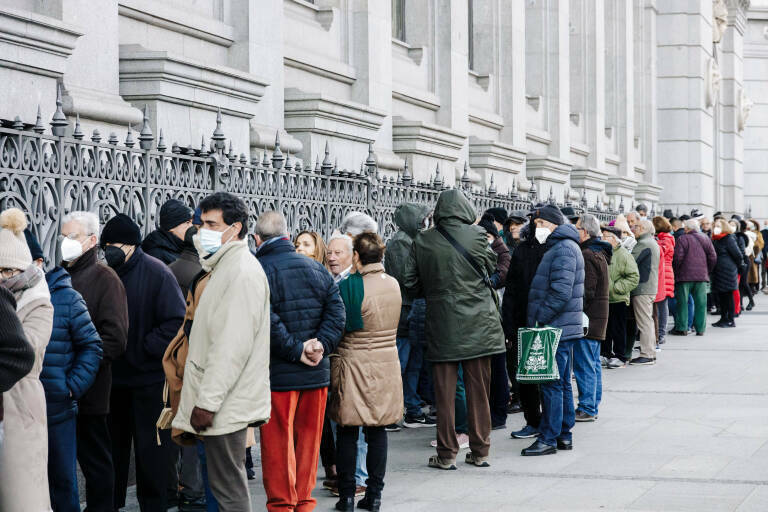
371, 268
209, 262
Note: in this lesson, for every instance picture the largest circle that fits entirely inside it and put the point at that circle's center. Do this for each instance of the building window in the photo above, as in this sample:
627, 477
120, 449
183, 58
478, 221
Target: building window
398, 20
470, 35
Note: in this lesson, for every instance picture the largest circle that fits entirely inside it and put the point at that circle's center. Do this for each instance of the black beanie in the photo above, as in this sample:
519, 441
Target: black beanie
499, 214
486, 222
120, 229
34, 245
549, 213
174, 212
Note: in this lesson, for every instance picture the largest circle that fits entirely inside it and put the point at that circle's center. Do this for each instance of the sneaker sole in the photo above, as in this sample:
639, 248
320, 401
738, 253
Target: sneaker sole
531, 436
650, 363
584, 420
445, 467
418, 425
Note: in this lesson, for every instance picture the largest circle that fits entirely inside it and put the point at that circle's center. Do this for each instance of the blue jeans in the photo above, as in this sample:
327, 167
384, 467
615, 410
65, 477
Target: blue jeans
211, 505
589, 375
557, 413
672, 303
62, 465
411, 357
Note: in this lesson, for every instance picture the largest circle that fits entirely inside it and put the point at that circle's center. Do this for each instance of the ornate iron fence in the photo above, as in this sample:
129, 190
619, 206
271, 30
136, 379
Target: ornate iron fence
48, 176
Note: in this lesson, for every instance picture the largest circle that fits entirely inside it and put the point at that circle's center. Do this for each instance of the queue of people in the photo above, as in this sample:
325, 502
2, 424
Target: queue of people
176, 346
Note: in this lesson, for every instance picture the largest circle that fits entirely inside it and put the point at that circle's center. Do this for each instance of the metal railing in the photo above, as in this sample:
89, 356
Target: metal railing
48, 176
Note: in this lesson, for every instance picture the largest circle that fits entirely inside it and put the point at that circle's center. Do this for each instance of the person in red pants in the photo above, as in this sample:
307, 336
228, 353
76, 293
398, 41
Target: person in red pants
307, 325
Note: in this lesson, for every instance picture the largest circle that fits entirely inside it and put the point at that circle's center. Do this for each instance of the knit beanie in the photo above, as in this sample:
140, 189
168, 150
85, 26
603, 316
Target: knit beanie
196, 217
120, 229
34, 245
549, 213
486, 222
14, 252
174, 212
499, 214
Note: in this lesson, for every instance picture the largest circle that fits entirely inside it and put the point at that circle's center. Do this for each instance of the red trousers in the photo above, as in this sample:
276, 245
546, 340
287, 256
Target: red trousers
290, 445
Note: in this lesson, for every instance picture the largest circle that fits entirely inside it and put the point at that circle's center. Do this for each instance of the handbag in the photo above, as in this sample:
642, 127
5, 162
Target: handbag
536, 349
479, 269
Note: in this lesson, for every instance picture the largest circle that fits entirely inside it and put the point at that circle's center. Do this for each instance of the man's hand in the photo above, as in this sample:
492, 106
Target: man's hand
201, 419
313, 352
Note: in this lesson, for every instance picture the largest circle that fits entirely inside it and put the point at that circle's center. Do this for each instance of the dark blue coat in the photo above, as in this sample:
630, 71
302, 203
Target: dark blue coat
557, 291
305, 304
728, 265
155, 312
73, 355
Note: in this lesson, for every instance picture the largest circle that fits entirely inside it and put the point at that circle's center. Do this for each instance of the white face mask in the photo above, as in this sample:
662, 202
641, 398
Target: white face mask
542, 234
71, 249
629, 243
210, 240
718, 230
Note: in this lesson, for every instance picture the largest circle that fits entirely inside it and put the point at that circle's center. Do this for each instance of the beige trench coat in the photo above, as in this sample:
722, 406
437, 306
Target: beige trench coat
366, 386
24, 453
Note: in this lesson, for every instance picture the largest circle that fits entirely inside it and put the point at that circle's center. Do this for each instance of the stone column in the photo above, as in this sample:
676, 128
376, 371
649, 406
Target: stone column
756, 131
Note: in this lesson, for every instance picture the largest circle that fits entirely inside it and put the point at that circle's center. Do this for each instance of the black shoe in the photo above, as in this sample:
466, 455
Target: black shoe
584, 417
675, 332
514, 408
750, 305
346, 504
499, 426
418, 421
642, 361
392, 428
563, 444
719, 323
192, 504
699, 333
730, 324
538, 448
368, 503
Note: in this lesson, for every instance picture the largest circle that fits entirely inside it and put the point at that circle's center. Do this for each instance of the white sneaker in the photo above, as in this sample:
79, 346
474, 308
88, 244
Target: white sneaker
615, 362
604, 361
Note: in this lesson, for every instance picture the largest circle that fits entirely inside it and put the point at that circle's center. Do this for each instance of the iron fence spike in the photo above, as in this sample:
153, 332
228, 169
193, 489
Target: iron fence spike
59, 122
78, 133
39, 128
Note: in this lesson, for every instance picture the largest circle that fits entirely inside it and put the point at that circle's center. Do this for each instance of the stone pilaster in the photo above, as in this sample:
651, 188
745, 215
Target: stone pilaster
756, 131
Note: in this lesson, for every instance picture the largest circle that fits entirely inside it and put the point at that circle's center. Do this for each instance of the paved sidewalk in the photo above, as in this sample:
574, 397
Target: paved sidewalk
690, 433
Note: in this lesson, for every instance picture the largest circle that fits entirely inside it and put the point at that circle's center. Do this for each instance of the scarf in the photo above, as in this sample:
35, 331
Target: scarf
20, 282
352, 293
718, 237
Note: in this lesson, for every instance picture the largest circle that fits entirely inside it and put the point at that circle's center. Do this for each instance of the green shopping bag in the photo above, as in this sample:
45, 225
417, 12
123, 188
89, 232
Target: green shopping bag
536, 348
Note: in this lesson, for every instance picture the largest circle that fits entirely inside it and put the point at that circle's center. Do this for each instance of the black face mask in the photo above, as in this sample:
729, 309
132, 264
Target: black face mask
191, 232
114, 256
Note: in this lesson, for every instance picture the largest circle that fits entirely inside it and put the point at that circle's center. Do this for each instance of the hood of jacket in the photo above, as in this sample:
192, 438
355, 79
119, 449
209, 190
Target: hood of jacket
165, 240
409, 217
563, 232
58, 278
597, 245
454, 205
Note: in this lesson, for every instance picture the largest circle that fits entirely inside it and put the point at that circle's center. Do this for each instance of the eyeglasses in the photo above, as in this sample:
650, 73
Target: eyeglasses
8, 273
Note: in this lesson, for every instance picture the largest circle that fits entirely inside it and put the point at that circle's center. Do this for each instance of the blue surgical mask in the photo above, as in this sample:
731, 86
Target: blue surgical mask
210, 241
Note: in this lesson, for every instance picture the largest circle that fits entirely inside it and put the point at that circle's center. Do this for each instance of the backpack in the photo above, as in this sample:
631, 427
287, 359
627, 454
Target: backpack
174, 359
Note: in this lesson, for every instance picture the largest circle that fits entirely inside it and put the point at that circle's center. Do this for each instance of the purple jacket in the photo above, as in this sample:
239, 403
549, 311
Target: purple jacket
694, 258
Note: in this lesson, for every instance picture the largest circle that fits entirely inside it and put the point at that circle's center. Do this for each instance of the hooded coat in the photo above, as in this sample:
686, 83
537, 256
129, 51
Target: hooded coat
666, 286
409, 218
462, 321
556, 298
729, 261
646, 253
74, 352
597, 257
163, 245
624, 275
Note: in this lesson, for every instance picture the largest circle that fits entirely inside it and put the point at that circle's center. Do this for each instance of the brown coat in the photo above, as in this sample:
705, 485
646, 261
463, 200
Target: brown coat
754, 270
597, 256
366, 386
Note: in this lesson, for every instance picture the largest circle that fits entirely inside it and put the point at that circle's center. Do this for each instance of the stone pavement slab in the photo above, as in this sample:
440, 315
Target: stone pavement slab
690, 433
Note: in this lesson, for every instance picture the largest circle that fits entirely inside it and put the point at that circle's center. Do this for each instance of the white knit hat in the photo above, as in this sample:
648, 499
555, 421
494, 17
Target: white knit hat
14, 252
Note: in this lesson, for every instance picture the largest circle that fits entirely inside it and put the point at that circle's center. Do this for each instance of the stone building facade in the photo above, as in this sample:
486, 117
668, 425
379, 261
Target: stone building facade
623, 101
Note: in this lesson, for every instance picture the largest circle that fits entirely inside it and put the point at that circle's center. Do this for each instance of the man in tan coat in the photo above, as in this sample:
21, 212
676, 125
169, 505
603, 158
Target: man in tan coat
226, 376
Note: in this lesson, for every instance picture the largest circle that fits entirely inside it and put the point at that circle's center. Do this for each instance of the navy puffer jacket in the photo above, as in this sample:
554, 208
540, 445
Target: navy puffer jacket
73, 355
305, 304
557, 291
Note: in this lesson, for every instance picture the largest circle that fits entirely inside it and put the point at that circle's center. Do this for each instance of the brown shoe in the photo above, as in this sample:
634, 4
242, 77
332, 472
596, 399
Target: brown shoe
331, 483
359, 491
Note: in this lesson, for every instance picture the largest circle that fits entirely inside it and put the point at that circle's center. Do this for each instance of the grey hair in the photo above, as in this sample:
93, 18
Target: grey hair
590, 224
341, 236
88, 220
358, 222
691, 225
647, 226
271, 224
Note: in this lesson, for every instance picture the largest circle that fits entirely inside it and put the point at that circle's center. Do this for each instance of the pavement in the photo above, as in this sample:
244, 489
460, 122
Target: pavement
688, 434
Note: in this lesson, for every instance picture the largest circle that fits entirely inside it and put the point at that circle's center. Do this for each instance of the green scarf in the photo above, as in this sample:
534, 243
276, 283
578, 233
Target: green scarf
352, 293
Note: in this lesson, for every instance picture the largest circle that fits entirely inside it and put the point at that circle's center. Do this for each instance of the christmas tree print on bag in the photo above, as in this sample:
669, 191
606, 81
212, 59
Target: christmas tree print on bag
536, 348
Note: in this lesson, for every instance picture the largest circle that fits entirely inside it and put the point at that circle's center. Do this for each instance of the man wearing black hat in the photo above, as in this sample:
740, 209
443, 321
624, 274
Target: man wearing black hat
156, 311
167, 243
499, 215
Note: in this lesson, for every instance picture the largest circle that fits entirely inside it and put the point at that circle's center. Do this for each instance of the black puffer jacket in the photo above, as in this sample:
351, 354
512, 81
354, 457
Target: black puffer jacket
163, 245
522, 267
729, 260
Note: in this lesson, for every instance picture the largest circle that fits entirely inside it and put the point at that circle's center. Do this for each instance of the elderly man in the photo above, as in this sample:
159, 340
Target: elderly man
155, 313
646, 253
104, 295
226, 387
463, 325
340, 256
632, 219
307, 323
586, 352
692, 264
167, 243
556, 300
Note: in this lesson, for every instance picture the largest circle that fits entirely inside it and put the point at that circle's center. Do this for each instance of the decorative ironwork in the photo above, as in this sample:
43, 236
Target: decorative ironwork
48, 176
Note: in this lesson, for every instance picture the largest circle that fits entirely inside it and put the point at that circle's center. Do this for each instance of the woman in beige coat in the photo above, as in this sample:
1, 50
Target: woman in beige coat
366, 387
24, 452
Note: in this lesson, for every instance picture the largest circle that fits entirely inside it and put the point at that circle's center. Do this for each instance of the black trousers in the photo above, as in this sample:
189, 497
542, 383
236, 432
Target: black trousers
134, 412
727, 306
346, 459
94, 453
499, 397
327, 445
528, 394
616, 339
744, 289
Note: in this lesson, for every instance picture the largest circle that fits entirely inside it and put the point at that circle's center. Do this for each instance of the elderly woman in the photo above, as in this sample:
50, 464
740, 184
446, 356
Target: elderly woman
24, 452
725, 274
666, 287
311, 244
366, 388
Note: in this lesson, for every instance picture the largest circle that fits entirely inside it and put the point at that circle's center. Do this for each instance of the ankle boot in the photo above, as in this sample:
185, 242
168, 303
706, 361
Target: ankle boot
369, 503
346, 504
